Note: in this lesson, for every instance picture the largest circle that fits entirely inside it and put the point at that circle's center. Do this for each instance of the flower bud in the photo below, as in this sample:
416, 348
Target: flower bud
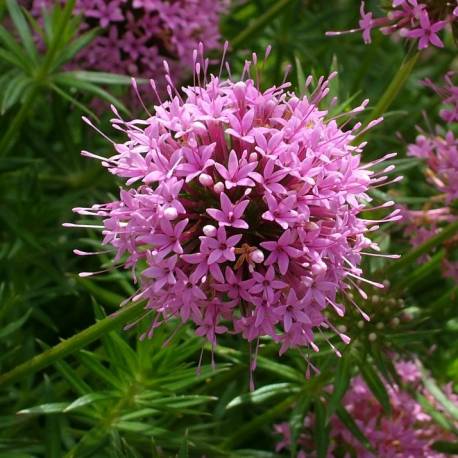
395, 321
319, 268
257, 256
170, 213
372, 337
205, 180
219, 187
253, 157
209, 230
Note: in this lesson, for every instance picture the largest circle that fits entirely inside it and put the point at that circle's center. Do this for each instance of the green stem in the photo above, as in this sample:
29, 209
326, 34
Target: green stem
17, 122
240, 39
396, 85
446, 233
249, 428
419, 273
73, 344
446, 299
391, 92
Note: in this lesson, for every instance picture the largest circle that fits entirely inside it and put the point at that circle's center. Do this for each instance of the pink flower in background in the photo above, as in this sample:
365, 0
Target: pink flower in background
441, 155
412, 19
408, 432
137, 36
449, 94
450, 269
241, 211
439, 151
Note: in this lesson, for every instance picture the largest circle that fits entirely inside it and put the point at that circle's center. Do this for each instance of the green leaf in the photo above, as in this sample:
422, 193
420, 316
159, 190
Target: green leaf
450, 448
321, 430
11, 45
23, 29
440, 396
259, 23
14, 91
73, 343
178, 402
73, 101
184, 447
70, 81
87, 399
351, 425
376, 385
447, 232
301, 90
266, 419
435, 414
62, 407
91, 362
73, 379
100, 77
45, 409
15, 325
334, 84
263, 394
296, 422
70, 51
341, 382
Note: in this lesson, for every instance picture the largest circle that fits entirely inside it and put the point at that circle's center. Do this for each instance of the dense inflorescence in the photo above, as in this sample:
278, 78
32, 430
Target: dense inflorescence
439, 150
420, 20
408, 432
137, 35
242, 209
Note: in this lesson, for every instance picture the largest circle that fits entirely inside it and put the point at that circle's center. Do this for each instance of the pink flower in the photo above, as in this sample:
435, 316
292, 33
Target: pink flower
266, 284
241, 209
198, 159
282, 251
408, 432
230, 214
163, 272
281, 212
136, 36
169, 239
449, 95
239, 172
221, 248
410, 18
450, 269
427, 32
366, 23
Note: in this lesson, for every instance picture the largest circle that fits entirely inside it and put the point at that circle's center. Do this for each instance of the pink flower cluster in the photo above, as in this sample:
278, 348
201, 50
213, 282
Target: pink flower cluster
420, 20
137, 35
408, 432
441, 155
449, 94
440, 152
242, 209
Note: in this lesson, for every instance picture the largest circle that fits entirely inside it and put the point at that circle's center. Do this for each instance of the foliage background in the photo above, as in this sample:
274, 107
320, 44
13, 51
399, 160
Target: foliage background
121, 397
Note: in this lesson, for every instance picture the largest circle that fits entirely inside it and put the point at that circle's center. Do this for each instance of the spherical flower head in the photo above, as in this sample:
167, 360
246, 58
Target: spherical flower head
137, 35
408, 432
242, 209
